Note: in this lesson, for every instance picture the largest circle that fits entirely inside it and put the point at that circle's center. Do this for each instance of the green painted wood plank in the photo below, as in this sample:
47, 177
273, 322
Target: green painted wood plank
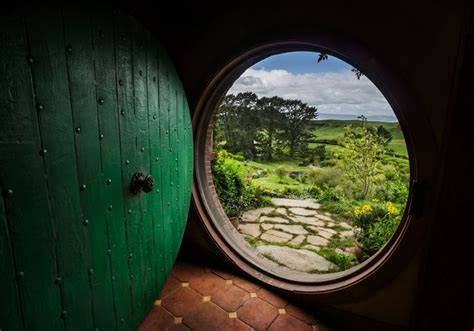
27, 208
52, 97
173, 109
148, 224
84, 103
10, 314
143, 158
106, 88
128, 134
164, 100
155, 162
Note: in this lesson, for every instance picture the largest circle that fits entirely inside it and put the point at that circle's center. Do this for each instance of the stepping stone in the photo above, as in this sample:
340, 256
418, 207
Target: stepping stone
295, 203
250, 229
253, 215
324, 217
266, 226
274, 219
307, 220
294, 229
345, 225
325, 234
276, 236
330, 224
348, 233
281, 211
302, 211
297, 259
317, 240
314, 248
298, 239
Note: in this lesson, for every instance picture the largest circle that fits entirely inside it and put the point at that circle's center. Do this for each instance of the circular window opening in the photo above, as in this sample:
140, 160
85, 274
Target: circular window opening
306, 169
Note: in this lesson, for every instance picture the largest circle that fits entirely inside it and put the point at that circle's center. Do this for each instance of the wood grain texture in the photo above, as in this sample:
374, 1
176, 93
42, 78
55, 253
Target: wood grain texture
89, 98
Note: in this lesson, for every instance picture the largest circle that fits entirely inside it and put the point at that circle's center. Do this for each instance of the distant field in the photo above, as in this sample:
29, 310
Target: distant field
334, 129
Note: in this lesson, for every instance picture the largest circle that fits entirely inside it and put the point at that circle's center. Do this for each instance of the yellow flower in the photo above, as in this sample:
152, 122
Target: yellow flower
390, 207
365, 209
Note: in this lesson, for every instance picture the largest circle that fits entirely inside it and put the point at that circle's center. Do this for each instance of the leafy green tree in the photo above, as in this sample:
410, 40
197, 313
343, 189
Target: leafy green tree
237, 123
362, 158
297, 125
271, 120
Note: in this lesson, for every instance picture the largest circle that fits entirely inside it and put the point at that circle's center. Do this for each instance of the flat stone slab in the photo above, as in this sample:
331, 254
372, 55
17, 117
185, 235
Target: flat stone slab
276, 236
274, 219
297, 259
346, 234
325, 234
330, 224
250, 229
345, 225
295, 203
324, 217
317, 240
253, 215
266, 226
302, 211
293, 229
298, 239
281, 211
307, 220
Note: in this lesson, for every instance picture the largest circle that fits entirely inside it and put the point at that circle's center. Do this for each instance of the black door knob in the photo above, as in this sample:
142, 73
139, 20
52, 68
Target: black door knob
140, 182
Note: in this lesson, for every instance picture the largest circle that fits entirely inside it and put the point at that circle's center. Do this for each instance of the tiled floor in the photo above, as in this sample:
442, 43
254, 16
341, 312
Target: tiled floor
197, 298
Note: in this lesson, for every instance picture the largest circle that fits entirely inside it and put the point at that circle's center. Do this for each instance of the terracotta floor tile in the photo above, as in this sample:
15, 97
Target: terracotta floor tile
257, 313
177, 327
300, 314
271, 298
205, 316
223, 274
181, 301
171, 285
246, 285
230, 297
226, 303
156, 319
234, 324
206, 284
286, 322
185, 271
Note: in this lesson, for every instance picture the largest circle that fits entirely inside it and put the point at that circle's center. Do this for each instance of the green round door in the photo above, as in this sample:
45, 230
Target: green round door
88, 100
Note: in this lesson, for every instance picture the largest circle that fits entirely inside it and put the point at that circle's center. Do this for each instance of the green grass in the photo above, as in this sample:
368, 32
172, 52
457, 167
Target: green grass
334, 130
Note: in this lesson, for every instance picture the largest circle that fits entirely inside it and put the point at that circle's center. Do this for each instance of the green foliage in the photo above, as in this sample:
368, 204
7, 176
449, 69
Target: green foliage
329, 177
281, 172
234, 194
342, 261
376, 223
361, 159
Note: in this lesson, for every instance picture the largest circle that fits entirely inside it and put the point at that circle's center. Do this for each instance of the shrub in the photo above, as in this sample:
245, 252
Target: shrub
376, 223
281, 172
324, 176
234, 195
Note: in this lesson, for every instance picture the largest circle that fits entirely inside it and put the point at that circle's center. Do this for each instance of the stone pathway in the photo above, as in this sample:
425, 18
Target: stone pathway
293, 232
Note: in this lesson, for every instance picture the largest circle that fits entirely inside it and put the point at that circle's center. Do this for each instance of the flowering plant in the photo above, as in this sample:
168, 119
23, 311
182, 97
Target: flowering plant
376, 222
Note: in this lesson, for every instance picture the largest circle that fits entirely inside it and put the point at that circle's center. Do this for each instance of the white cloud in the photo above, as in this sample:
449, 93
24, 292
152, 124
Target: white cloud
332, 93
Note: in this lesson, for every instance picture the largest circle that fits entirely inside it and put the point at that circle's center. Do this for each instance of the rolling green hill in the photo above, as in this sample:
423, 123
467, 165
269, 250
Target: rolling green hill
334, 129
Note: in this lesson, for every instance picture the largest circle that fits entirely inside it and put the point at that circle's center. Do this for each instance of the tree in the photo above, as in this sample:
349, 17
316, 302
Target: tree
237, 124
362, 158
271, 120
298, 121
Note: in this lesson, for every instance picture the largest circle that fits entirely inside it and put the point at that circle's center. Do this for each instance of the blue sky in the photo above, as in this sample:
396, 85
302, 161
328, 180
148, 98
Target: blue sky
301, 63
328, 85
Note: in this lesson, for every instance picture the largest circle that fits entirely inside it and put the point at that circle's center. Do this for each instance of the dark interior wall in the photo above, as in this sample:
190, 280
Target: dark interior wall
422, 41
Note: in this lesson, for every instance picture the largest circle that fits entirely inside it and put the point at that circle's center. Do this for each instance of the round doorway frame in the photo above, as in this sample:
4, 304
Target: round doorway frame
401, 248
